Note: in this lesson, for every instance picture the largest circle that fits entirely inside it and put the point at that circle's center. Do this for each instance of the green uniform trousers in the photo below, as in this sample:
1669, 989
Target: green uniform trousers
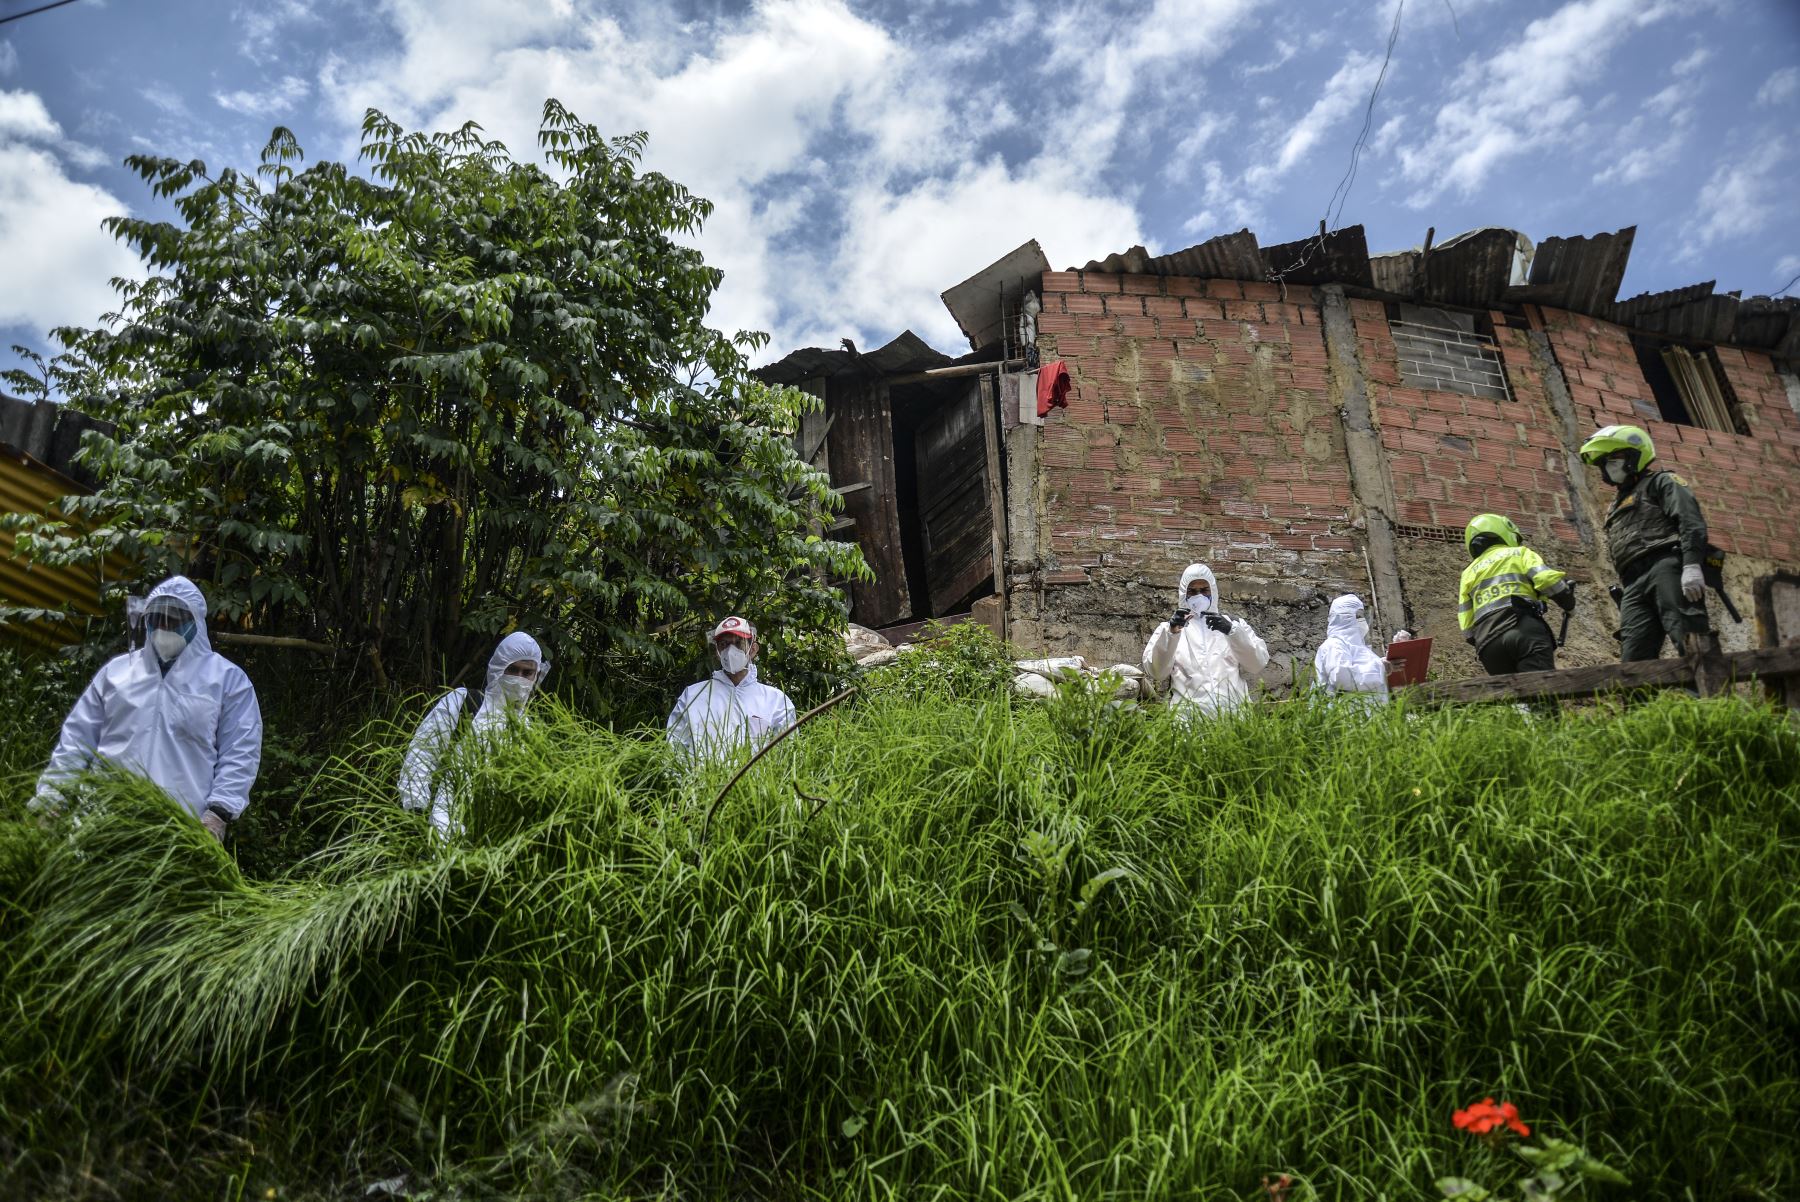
1526, 646
1653, 609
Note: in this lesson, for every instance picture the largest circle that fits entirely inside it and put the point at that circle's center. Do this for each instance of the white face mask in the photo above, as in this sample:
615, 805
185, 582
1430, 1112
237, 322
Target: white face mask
1615, 471
1199, 603
1362, 626
733, 659
167, 644
516, 689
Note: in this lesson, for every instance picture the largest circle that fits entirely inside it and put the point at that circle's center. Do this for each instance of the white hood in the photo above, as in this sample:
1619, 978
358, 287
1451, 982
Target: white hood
1345, 663
515, 647
195, 729
1205, 671
1345, 620
183, 590
1198, 571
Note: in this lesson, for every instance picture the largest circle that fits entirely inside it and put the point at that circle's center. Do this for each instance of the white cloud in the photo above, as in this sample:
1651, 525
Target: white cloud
1739, 200
1634, 166
1669, 99
165, 98
24, 117
1284, 50
1154, 52
1696, 58
58, 258
265, 24
1346, 92
1182, 160
1780, 87
278, 97
795, 109
1502, 107
9, 58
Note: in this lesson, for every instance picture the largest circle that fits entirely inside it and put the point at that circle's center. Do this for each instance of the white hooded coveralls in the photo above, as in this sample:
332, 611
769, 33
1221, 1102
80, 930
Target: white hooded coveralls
1207, 672
713, 717
420, 787
1345, 663
195, 730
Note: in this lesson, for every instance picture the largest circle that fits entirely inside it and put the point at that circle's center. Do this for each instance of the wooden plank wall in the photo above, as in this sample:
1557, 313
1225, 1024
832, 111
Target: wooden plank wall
861, 449
957, 521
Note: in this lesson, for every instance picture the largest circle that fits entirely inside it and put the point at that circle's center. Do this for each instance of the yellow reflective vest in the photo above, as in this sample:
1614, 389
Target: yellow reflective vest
1499, 574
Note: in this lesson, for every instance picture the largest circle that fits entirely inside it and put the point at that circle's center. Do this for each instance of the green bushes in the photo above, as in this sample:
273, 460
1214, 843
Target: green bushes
946, 948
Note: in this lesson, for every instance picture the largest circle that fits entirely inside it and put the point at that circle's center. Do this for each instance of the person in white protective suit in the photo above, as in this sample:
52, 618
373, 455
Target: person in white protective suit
1345, 663
173, 710
731, 708
515, 671
1205, 658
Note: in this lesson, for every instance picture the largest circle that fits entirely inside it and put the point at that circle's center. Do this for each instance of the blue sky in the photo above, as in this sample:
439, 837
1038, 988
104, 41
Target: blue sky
866, 154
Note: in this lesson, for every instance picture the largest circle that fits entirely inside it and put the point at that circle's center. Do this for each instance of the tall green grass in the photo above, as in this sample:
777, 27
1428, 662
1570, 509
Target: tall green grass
940, 948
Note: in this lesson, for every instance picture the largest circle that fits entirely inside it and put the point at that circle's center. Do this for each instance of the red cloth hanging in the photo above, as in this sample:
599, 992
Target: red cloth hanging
1053, 387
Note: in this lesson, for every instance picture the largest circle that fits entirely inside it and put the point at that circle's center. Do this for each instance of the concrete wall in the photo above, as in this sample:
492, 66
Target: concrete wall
1273, 436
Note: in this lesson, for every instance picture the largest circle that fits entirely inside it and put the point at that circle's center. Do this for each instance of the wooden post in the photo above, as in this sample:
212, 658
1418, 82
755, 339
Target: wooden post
990, 428
1712, 675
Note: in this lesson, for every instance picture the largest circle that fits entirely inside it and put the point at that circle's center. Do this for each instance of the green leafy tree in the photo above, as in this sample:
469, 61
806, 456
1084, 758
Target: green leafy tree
407, 410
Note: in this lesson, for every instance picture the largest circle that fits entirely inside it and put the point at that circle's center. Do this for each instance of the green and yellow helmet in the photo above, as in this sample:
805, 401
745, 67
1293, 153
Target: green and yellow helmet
1618, 438
1498, 525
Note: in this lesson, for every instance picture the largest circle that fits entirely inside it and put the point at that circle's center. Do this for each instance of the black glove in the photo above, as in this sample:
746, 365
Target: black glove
1566, 599
1180, 619
1219, 622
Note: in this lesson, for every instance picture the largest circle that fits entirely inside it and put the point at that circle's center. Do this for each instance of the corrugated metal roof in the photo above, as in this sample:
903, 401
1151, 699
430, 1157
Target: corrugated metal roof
1631, 312
1709, 319
1582, 274
29, 486
980, 302
906, 353
1227, 257
1472, 269
1341, 257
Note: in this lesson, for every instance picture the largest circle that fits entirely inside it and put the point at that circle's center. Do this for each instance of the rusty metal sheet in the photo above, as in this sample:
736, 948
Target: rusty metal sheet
980, 302
1581, 274
1630, 312
1474, 268
906, 353
1227, 257
1341, 257
1765, 322
1709, 319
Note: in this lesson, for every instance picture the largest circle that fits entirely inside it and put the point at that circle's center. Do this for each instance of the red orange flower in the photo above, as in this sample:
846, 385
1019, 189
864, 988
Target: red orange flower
1485, 1117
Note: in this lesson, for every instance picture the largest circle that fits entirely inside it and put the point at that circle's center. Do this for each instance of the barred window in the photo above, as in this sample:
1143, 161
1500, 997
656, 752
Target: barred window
1445, 352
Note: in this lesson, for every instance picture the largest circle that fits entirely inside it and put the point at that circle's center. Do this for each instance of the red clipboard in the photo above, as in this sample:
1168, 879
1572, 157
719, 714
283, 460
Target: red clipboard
1414, 656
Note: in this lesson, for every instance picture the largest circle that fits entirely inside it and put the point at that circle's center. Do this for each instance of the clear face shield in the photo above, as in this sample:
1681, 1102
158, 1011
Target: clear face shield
169, 626
733, 652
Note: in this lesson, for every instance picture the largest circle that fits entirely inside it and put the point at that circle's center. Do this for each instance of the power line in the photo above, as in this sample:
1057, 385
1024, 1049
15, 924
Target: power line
1341, 194
1785, 287
32, 12
1362, 139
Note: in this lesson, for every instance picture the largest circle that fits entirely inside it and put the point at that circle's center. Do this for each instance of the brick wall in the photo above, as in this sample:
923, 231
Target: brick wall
1203, 424
1452, 456
1197, 428
1748, 486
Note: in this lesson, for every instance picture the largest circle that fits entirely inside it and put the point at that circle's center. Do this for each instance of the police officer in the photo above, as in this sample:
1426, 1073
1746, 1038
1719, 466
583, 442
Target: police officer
1500, 606
1657, 537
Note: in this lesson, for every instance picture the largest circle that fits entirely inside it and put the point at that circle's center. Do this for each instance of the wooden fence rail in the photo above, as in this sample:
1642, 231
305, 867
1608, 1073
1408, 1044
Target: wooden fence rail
1704, 668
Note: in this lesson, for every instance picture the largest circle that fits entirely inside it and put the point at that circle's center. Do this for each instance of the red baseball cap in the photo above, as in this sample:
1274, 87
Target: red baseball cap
732, 625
